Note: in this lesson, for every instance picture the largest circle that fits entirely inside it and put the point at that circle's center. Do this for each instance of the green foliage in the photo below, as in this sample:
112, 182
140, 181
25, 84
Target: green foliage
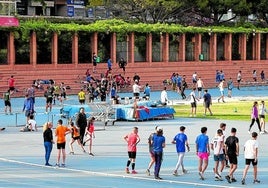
121, 27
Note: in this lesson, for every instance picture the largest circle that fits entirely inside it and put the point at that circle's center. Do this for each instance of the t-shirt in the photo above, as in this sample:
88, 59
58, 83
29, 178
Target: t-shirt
192, 99
250, 147
158, 142
231, 142
131, 142
218, 144
75, 132
202, 141
6, 96
32, 123
60, 133
81, 95
180, 139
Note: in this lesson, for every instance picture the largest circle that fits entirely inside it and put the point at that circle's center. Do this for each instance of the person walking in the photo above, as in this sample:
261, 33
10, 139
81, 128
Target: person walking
251, 148
181, 141
90, 134
28, 107
193, 101
254, 117
232, 151
158, 143
262, 110
202, 151
217, 145
94, 61
221, 88
239, 79
48, 141
81, 123
132, 140
230, 86
82, 97
6, 97
151, 152
200, 86
60, 133
207, 102
75, 137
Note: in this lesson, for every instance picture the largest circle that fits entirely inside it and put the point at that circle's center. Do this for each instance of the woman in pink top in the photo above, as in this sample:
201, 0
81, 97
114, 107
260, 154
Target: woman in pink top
132, 140
254, 116
90, 134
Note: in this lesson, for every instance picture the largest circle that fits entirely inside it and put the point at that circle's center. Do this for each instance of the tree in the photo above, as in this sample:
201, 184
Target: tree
148, 11
212, 11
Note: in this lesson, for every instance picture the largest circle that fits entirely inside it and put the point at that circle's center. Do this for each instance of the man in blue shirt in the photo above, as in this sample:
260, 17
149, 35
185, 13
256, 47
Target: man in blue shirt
158, 143
28, 107
181, 141
202, 151
207, 102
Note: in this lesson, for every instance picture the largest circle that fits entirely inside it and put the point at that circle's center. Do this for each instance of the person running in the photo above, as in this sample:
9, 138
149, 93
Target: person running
11, 84
254, 116
232, 151
262, 110
217, 145
132, 140
48, 141
207, 102
193, 101
49, 98
90, 133
158, 143
60, 133
6, 97
75, 137
251, 157
81, 123
181, 141
151, 151
202, 151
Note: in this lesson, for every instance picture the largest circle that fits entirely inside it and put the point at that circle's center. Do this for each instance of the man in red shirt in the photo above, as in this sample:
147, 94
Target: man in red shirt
11, 84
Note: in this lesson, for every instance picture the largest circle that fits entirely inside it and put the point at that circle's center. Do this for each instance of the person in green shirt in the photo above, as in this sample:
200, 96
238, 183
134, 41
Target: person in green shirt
6, 97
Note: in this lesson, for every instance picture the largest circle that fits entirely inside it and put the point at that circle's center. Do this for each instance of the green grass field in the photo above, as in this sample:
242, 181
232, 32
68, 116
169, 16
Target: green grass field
240, 110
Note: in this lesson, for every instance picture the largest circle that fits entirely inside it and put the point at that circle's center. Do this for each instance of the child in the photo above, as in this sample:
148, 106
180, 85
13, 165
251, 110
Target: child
75, 137
90, 134
31, 125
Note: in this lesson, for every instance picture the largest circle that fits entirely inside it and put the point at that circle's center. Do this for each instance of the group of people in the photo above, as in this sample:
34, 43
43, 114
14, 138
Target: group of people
224, 150
82, 131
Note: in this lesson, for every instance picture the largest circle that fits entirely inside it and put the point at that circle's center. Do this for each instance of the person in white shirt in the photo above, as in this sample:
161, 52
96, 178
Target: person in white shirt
217, 145
221, 87
200, 86
262, 111
136, 89
193, 101
164, 97
251, 157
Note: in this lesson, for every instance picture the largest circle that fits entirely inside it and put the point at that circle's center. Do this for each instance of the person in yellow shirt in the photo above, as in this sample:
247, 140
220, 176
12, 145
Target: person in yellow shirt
82, 96
60, 133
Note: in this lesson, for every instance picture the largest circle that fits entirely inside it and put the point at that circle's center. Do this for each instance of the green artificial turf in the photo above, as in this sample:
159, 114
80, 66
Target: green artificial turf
240, 110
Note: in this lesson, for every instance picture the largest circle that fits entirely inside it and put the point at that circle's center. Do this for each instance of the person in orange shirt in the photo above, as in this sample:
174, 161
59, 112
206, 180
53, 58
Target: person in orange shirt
75, 137
90, 133
60, 133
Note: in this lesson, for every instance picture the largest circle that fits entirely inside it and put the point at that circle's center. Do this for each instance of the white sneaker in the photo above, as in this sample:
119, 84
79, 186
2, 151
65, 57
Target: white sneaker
262, 132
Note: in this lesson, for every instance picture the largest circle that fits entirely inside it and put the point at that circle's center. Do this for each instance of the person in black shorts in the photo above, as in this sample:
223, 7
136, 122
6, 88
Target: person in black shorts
94, 61
232, 151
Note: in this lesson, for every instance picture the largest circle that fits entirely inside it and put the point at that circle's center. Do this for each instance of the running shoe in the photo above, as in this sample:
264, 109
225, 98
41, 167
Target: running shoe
127, 171
148, 172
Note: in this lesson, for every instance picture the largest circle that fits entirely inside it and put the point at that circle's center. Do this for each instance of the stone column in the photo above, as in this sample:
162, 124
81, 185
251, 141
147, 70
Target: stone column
243, 46
213, 47
197, 48
75, 49
228, 47
113, 49
131, 47
256, 46
94, 43
149, 50
182, 46
54, 49
11, 53
165, 48
33, 49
